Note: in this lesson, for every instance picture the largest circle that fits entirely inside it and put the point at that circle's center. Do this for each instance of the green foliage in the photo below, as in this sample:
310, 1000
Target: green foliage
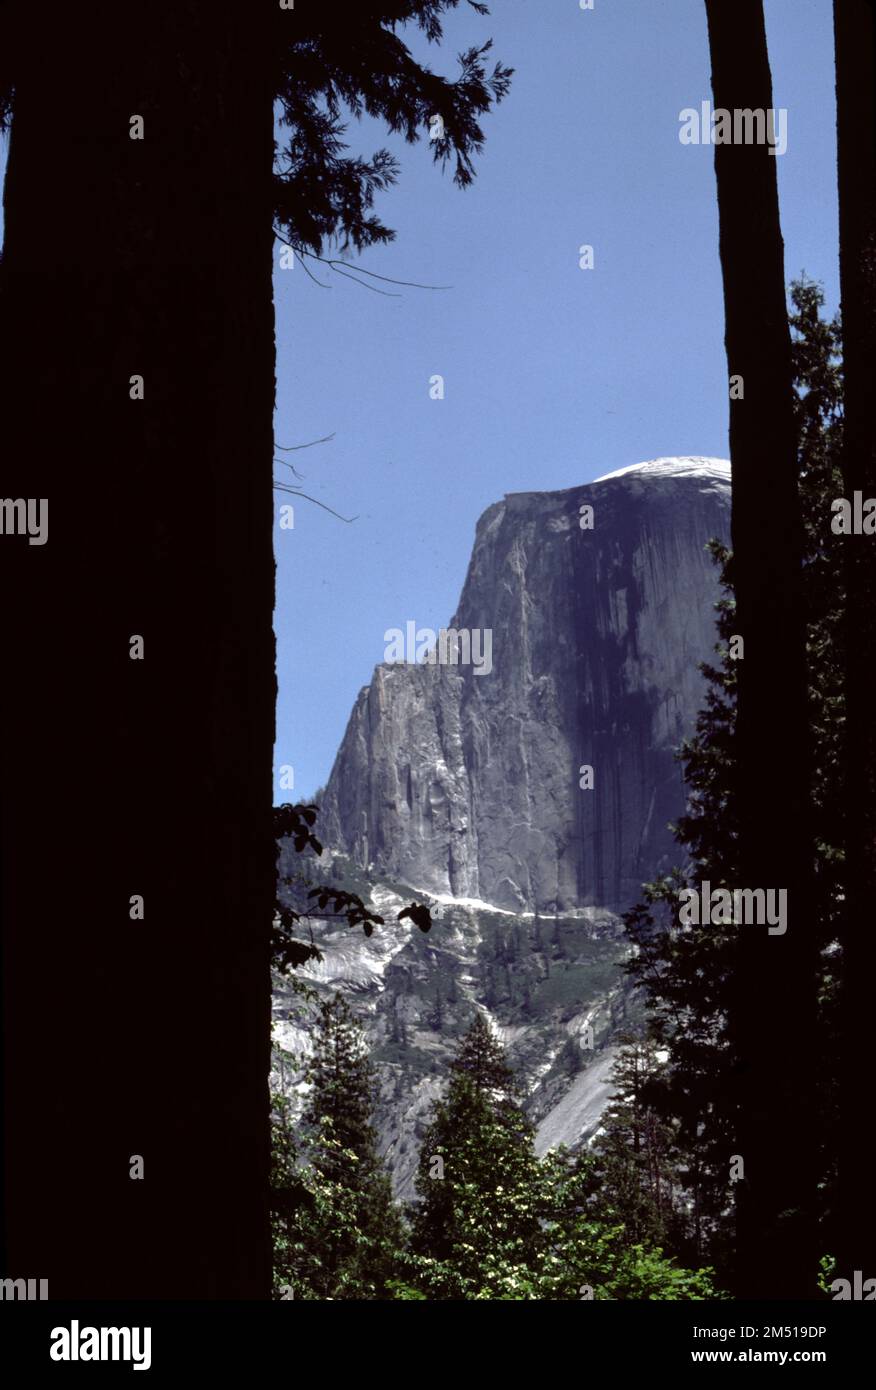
635, 1158
496, 1223
358, 66
493, 1221
826, 1273
579, 983
478, 1210
589, 1249
288, 952
336, 1232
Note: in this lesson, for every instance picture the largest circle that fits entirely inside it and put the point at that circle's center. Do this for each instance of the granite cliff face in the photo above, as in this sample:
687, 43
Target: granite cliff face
463, 790
468, 784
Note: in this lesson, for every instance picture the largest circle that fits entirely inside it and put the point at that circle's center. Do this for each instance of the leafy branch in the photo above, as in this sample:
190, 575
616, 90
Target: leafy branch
288, 952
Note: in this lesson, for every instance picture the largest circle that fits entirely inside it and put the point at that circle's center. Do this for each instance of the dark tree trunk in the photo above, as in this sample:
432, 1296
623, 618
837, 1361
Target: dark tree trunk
855, 28
119, 776
773, 1010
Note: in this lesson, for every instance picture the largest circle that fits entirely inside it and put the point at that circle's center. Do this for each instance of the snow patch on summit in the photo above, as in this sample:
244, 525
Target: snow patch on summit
693, 466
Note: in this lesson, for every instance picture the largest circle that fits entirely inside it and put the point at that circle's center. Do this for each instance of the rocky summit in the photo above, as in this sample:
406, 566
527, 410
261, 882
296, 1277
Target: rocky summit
527, 802
470, 784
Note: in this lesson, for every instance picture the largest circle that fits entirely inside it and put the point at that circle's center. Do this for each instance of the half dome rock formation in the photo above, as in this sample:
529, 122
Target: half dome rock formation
474, 783
465, 784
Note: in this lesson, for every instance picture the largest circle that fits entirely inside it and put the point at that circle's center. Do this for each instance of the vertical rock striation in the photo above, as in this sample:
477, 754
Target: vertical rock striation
468, 784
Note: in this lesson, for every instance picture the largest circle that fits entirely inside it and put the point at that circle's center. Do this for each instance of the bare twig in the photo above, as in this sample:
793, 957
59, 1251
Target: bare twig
351, 271
293, 448
390, 280
296, 492
286, 464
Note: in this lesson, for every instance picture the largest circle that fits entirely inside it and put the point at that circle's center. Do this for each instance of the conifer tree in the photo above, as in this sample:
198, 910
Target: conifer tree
494, 1222
476, 1230
340, 1239
588, 1252
635, 1154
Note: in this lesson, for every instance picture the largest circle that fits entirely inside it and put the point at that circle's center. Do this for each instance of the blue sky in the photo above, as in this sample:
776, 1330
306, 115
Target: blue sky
553, 375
